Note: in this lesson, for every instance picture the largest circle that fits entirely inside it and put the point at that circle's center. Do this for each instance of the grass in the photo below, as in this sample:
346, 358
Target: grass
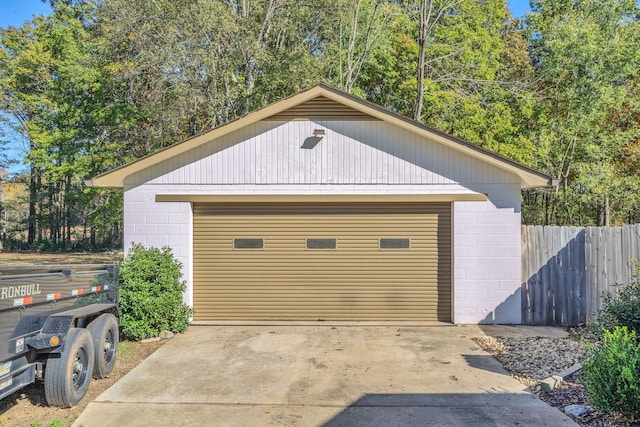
126, 348
44, 258
54, 423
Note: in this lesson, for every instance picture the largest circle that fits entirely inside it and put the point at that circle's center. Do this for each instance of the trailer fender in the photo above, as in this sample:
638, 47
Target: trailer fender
56, 327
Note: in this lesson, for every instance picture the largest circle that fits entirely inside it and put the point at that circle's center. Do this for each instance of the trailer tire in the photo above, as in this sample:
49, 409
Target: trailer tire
104, 332
67, 378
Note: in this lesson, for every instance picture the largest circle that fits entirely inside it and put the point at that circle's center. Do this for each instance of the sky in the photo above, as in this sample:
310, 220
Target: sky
517, 7
15, 12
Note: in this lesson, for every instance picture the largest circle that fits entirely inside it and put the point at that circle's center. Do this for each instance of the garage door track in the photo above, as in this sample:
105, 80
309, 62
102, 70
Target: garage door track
320, 376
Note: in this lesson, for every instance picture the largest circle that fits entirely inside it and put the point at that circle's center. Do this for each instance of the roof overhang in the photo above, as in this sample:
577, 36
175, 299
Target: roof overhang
322, 198
529, 177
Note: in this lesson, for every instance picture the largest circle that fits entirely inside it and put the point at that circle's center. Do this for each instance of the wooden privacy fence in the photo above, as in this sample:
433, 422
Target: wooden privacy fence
565, 270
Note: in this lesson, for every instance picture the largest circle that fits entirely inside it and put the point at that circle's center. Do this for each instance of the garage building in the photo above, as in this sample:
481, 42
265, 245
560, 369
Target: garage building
324, 206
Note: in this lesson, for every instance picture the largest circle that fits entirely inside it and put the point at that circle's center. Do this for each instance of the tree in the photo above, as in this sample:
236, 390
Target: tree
430, 14
585, 53
51, 90
95, 85
5, 176
357, 29
461, 67
180, 68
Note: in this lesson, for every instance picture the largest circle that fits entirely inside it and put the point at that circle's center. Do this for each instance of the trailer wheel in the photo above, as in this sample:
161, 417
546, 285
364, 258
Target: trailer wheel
104, 332
67, 378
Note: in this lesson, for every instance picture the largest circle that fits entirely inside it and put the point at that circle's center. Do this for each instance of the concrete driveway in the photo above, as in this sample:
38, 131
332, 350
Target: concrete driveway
320, 376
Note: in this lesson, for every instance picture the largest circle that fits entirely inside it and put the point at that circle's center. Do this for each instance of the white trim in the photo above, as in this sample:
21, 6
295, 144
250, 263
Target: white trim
315, 198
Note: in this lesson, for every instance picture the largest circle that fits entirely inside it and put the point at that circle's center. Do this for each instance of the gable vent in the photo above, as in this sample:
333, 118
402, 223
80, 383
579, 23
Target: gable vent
321, 108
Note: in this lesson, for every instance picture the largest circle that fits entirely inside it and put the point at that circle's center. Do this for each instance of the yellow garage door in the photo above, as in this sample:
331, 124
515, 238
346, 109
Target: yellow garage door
322, 261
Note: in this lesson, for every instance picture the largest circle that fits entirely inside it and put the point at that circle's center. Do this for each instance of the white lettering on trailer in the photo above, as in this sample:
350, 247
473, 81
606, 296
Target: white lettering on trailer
20, 291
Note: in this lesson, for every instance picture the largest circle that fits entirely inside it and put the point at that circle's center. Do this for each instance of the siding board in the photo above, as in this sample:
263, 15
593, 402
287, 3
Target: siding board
322, 108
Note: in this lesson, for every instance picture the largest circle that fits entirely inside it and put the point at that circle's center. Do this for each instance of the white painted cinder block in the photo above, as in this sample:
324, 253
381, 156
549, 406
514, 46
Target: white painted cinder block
146, 229
157, 241
473, 229
172, 229
489, 271
498, 274
157, 218
134, 218
154, 224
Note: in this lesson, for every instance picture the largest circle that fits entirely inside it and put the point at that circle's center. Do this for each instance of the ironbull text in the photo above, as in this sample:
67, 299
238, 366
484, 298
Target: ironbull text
19, 291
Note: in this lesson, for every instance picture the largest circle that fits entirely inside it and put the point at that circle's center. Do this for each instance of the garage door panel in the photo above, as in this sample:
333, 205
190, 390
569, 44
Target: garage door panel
303, 314
356, 280
248, 287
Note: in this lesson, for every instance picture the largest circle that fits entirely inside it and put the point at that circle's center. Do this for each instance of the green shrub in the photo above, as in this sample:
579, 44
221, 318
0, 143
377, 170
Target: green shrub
151, 294
612, 371
622, 308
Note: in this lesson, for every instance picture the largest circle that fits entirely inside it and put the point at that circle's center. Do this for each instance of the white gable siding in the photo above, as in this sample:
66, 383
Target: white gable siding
364, 152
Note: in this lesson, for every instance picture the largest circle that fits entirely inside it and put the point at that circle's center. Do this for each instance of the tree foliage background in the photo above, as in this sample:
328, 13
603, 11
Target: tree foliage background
98, 83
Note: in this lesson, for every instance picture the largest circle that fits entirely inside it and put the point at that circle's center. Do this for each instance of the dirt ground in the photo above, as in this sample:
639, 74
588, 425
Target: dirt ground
28, 407
48, 258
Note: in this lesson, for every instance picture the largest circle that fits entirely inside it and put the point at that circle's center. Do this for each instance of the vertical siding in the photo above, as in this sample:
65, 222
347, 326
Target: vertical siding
363, 152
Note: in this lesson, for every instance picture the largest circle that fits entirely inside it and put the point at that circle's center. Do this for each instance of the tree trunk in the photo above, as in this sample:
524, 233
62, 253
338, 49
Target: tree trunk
547, 211
53, 235
33, 195
117, 235
93, 237
422, 41
67, 191
604, 213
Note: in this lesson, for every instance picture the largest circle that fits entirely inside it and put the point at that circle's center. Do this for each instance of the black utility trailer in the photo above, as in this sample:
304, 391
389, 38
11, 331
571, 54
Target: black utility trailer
58, 323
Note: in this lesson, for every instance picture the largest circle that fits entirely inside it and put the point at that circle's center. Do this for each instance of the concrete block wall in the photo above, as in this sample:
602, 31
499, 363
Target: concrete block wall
487, 258
160, 224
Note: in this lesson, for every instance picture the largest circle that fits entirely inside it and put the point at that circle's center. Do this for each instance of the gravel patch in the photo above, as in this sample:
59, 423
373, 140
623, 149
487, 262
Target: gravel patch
532, 359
